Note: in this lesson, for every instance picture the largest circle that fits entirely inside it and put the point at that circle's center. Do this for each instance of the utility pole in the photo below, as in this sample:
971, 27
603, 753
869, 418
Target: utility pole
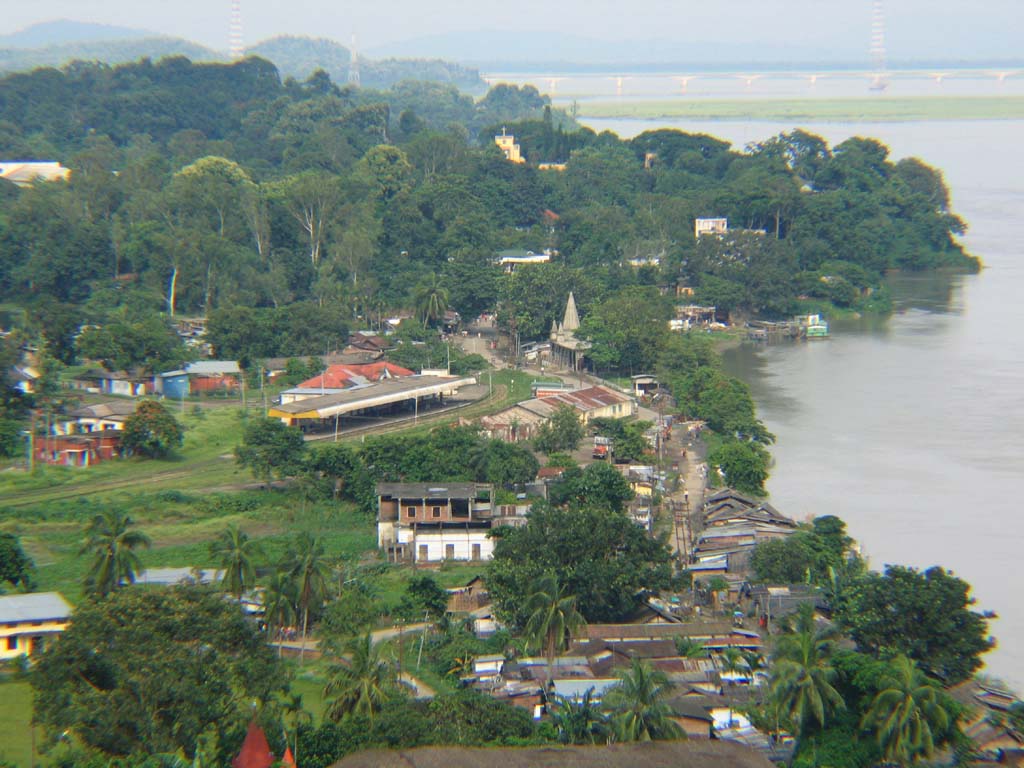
263, 391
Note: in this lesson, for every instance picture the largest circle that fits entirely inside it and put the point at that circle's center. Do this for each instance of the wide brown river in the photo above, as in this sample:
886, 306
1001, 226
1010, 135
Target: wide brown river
910, 428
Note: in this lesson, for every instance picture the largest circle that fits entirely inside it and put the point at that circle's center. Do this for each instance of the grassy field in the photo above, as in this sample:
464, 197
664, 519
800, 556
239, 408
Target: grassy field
15, 719
878, 109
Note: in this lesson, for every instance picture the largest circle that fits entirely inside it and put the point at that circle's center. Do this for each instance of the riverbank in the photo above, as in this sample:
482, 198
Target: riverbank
849, 110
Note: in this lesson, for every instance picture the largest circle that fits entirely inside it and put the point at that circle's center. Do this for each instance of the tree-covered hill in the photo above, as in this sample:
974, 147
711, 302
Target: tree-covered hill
219, 188
294, 56
113, 51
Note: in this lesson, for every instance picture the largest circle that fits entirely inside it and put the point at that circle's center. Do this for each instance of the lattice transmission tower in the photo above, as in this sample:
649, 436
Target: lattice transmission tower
877, 49
353, 65
236, 43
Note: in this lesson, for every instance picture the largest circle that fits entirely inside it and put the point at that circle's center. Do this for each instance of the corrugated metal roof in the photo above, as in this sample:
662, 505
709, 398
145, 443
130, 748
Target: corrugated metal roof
171, 576
212, 367
105, 410
35, 607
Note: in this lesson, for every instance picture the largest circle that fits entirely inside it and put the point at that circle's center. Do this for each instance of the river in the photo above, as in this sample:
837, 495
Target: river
909, 427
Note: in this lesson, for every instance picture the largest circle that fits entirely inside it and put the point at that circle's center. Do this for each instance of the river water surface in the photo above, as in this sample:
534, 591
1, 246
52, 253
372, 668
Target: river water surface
910, 427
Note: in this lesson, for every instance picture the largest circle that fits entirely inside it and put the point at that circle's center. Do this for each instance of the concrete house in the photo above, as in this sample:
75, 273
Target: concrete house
430, 523
27, 622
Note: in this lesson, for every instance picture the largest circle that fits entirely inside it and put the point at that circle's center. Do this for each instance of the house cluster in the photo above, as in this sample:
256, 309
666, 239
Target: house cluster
201, 377
28, 622
693, 316
733, 524
24, 173
645, 481
523, 420
707, 689
511, 260
987, 723
86, 436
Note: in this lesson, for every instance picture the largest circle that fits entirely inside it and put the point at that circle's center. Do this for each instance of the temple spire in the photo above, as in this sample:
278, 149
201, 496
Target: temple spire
571, 321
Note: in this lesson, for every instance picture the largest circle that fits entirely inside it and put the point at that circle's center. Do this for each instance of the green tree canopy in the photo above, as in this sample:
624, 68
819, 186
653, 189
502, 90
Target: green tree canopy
926, 616
562, 432
151, 431
150, 670
16, 568
270, 449
601, 557
597, 486
744, 465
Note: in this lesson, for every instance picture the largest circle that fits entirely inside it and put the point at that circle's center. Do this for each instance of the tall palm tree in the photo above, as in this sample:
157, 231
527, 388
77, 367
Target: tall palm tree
638, 705
431, 300
112, 543
279, 604
802, 675
580, 721
553, 619
308, 568
362, 686
731, 661
689, 648
300, 715
906, 714
236, 555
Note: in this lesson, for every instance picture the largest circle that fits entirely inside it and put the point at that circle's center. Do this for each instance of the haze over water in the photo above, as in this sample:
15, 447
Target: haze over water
909, 428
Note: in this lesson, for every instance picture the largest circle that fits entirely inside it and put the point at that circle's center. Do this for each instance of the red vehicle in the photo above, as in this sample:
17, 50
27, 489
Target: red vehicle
602, 447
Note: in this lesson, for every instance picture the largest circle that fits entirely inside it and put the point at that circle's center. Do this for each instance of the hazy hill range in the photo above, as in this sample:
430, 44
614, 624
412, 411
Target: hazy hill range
65, 31
299, 57
54, 44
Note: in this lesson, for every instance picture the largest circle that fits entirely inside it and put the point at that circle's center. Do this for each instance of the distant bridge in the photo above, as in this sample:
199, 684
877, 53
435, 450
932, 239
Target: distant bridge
676, 81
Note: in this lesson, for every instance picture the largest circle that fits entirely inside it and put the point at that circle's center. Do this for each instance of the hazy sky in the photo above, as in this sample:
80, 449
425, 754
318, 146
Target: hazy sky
915, 28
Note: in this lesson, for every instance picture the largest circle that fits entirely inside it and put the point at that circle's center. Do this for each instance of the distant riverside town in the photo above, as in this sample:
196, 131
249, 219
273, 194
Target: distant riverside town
347, 427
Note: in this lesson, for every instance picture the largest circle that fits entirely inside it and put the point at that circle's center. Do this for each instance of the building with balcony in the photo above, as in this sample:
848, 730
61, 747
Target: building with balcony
433, 522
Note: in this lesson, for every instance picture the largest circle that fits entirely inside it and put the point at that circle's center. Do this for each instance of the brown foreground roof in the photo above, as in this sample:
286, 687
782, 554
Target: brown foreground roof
658, 754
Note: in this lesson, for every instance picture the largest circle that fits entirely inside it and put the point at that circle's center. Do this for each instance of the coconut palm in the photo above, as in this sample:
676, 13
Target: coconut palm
363, 685
112, 544
907, 713
638, 705
431, 300
308, 569
236, 555
731, 662
580, 721
279, 604
299, 714
689, 648
553, 619
802, 675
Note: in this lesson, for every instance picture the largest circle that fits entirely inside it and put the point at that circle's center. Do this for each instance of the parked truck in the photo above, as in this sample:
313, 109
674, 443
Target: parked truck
602, 447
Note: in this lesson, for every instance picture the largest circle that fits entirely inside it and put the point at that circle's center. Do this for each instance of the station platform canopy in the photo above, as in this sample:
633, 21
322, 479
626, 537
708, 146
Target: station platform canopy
384, 393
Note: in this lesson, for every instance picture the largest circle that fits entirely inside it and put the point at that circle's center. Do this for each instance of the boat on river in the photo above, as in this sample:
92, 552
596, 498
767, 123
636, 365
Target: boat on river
814, 326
